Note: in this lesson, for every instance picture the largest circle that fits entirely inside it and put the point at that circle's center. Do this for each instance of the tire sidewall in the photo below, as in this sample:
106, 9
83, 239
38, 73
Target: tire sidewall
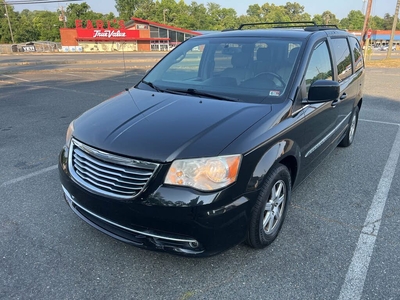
260, 238
346, 142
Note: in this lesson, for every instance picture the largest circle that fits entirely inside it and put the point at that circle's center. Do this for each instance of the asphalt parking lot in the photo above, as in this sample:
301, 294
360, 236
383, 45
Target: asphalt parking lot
340, 239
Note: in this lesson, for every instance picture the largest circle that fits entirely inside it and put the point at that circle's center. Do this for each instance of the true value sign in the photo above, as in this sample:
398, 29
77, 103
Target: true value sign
98, 32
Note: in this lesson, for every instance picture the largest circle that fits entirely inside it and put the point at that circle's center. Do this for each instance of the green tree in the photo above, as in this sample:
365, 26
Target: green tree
47, 24
25, 32
376, 22
295, 11
128, 8
5, 34
254, 11
353, 21
146, 10
329, 18
326, 18
77, 12
388, 22
318, 19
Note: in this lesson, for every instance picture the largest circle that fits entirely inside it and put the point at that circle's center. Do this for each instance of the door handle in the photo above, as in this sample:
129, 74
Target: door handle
344, 96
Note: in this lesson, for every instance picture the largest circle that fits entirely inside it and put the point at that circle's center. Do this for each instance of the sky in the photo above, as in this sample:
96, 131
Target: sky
339, 7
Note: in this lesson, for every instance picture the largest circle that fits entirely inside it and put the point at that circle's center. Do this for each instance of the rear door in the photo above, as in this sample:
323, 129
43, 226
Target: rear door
349, 88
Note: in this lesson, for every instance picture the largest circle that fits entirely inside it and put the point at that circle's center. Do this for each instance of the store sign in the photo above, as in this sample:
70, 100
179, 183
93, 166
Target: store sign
107, 34
95, 30
28, 48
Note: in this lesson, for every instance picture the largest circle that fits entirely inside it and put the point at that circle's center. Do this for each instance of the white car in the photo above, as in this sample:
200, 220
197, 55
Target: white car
386, 48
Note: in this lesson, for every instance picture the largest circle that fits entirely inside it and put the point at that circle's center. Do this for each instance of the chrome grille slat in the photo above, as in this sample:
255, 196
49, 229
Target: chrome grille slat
87, 174
108, 174
100, 185
103, 173
107, 165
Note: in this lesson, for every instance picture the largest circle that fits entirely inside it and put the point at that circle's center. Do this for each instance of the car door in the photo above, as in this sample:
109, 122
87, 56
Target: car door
320, 118
349, 88
358, 64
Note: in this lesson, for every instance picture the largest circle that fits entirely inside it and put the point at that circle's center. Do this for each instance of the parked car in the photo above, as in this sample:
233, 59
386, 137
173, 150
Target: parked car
204, 152
386, 48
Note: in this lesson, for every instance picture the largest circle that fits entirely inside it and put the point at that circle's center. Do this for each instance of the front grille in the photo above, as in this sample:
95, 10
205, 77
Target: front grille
108, 174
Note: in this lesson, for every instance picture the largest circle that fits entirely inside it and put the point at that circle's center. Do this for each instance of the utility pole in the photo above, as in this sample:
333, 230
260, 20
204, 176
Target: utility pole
366, 20
9, 23
63, 16
164, 11
396, 15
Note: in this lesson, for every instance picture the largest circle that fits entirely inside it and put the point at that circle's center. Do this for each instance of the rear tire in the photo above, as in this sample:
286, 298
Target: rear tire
351, 131
270, 208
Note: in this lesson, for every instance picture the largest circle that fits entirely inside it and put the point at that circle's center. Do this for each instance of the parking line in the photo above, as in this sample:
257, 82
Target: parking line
112, 71
28, 176
21, 79
71, 74
380, 122
353, 285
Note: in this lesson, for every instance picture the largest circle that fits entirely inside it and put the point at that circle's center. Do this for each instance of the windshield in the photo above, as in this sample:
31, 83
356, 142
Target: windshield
249, 69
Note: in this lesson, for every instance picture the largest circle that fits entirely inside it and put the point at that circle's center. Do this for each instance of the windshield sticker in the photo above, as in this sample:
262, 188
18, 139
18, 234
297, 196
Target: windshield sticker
275, 93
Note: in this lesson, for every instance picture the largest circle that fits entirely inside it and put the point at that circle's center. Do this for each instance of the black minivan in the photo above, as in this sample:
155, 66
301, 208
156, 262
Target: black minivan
203, 153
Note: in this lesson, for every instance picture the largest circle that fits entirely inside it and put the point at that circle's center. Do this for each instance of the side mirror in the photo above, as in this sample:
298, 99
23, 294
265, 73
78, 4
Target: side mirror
323, 91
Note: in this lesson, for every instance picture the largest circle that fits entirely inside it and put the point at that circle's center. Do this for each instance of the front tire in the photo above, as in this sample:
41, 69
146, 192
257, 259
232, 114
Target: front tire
270, 208
351, 131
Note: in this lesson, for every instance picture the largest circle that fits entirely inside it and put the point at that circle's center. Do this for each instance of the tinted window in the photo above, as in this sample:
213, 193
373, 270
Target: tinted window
250, 69
223, 56
320, 66
357, 53
341, 51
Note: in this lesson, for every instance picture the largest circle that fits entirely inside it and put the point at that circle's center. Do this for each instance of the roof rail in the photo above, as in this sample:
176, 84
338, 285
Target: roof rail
311, 25
321, 27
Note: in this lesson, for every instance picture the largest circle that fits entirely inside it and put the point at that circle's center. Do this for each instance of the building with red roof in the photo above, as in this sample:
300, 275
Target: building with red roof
134, 35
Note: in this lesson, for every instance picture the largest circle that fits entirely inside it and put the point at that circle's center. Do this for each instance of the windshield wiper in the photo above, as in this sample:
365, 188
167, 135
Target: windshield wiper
195, 92
150, 84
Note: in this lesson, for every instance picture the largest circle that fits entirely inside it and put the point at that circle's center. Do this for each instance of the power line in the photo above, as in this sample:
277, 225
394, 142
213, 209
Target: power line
16, 2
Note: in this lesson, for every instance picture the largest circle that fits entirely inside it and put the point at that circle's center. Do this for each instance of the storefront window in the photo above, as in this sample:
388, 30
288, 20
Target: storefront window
163, 33
172, 36
154, 32
159, 45
180, 37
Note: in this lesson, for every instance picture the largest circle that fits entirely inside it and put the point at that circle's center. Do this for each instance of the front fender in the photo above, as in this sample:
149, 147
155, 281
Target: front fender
286, 152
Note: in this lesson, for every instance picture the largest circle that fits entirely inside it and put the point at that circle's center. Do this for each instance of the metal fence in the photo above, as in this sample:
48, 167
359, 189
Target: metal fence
39, 46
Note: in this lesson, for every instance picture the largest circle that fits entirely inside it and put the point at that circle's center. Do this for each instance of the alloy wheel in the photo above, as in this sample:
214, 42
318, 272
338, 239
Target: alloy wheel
274, 207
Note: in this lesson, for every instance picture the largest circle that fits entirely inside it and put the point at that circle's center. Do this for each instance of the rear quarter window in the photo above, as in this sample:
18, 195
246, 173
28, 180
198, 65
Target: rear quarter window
357, 53
341, 51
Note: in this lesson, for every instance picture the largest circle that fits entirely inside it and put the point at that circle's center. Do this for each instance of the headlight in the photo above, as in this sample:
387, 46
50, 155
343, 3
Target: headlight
70, 131
206, 174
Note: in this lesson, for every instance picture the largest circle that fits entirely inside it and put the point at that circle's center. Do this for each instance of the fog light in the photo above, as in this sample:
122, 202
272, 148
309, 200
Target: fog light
194, 244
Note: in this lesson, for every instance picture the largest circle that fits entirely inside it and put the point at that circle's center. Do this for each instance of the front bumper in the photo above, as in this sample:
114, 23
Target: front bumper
171, 219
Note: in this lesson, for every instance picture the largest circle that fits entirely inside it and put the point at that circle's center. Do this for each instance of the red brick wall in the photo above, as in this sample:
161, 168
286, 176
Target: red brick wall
68, 37
143, 46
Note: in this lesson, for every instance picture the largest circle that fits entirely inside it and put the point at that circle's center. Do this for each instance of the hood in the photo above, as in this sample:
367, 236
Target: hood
162, 127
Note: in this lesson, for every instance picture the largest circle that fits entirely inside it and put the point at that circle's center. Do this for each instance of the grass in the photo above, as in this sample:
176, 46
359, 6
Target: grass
383, 63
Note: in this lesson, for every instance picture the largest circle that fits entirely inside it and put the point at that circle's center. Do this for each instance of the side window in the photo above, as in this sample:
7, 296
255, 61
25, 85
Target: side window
320, 66
357, 53
342, 54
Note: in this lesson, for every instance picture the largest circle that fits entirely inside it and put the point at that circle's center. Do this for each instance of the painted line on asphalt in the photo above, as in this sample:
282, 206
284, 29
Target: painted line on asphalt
19, 179
21, 79
112, 71
379, 122
353, 285
70, 74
